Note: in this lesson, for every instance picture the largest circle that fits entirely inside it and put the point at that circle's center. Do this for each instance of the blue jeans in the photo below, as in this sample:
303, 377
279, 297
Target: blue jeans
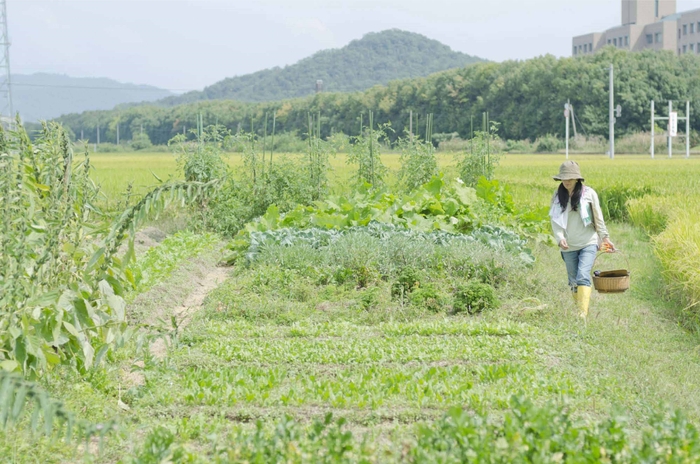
579, 264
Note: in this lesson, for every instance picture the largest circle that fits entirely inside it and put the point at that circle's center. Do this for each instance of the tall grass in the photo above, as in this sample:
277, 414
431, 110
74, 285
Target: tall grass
678, 249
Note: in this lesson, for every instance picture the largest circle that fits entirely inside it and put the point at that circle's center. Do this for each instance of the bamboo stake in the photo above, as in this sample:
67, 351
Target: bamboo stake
264, 146
272, 148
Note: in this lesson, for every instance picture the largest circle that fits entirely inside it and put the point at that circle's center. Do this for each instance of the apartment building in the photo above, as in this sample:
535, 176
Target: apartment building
646, 24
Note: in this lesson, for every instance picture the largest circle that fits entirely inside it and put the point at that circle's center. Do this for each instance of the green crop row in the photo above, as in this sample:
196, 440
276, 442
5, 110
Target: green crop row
526, 432
414, 348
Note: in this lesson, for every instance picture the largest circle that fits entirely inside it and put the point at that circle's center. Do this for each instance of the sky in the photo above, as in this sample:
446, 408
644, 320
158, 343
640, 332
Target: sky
188, 44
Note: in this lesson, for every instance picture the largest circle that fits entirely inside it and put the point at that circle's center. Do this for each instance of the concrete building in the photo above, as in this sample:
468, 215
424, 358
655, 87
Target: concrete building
647, 24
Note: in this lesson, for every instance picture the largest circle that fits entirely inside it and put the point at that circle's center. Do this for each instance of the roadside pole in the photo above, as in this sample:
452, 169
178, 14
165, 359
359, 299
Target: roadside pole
671, 128
653, 123
566, 115
687, 129
612, 117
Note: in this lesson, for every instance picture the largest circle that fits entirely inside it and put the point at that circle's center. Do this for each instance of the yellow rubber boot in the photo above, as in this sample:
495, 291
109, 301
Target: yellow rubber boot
584, 298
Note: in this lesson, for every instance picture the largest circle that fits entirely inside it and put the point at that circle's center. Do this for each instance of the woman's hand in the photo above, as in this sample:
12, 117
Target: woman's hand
563, 244
608, 246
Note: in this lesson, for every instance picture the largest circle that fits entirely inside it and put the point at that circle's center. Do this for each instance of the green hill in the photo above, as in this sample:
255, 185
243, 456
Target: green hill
376, 58
45, 96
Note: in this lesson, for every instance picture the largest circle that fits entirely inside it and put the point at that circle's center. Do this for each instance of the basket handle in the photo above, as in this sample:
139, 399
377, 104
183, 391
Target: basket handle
609, 253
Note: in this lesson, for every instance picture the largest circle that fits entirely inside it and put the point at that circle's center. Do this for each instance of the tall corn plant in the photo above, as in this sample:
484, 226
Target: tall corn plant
61, 279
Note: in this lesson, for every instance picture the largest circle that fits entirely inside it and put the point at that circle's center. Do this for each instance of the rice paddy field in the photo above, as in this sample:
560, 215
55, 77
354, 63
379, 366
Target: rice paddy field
320, 354
525, 173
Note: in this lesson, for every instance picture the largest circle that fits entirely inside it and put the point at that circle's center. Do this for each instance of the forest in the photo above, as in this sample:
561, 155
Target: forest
526, 97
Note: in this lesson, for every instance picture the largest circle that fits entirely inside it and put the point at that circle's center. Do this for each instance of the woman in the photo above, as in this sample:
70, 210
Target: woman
578, 228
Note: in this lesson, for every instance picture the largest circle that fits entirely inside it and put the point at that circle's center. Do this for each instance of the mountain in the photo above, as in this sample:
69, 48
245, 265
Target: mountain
376, 58
46, 96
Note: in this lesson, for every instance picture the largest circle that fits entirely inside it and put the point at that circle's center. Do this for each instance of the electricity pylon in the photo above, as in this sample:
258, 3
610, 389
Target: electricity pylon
6, 110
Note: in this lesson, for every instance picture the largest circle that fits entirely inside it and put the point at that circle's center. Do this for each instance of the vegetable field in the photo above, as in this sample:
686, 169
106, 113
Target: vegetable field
293, 311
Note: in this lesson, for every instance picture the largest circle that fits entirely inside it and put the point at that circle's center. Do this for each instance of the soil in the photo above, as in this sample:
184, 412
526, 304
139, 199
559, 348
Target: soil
192, 304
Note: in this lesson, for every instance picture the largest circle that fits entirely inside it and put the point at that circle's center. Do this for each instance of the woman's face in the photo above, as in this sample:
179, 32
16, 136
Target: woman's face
569, 184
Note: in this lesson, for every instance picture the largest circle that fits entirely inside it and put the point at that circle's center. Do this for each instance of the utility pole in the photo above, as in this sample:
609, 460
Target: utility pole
98, 133
687, 129
670, 129
6, 109
612, 116
566, 115
82, 135
117, 133
653, 124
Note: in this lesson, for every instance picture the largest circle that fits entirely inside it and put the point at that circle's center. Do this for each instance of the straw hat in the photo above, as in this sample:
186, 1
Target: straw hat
568, 170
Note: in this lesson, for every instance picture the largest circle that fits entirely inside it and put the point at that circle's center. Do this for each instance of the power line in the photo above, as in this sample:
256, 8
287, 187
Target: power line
99, 88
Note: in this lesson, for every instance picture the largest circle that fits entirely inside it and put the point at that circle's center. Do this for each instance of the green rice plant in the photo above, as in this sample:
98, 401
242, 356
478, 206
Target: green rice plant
613, 200
651, 212
678, 250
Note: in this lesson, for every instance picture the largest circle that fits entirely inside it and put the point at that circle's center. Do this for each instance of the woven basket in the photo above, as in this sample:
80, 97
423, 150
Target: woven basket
614, 281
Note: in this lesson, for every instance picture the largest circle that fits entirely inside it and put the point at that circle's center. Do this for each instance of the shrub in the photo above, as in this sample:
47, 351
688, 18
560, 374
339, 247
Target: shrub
519, 146
474, 297
548, 144
640, 143
201, 160
429, 297
408, 280
140, 141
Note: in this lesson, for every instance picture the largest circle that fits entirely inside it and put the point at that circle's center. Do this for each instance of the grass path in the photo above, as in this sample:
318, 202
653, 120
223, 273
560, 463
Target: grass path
632, 351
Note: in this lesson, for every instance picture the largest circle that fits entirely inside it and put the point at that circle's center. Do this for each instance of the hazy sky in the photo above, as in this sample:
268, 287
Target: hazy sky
188, 44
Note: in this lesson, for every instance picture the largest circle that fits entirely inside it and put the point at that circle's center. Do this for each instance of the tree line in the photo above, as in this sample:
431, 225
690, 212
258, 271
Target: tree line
526, 97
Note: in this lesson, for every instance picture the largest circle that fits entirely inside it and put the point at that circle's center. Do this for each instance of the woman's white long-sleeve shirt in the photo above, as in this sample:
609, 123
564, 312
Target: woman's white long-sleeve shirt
580, 228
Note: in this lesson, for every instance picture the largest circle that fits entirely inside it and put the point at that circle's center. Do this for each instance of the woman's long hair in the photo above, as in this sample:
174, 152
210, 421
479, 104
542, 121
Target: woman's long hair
563, 196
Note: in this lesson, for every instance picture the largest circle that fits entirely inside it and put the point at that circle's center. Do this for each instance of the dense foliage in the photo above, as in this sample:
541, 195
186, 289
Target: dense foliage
63, 270
526, 97
376, 58
433, 212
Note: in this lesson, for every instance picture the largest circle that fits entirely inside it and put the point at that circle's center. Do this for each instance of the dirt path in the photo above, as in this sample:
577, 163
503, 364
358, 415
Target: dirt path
193, 302
180, 296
